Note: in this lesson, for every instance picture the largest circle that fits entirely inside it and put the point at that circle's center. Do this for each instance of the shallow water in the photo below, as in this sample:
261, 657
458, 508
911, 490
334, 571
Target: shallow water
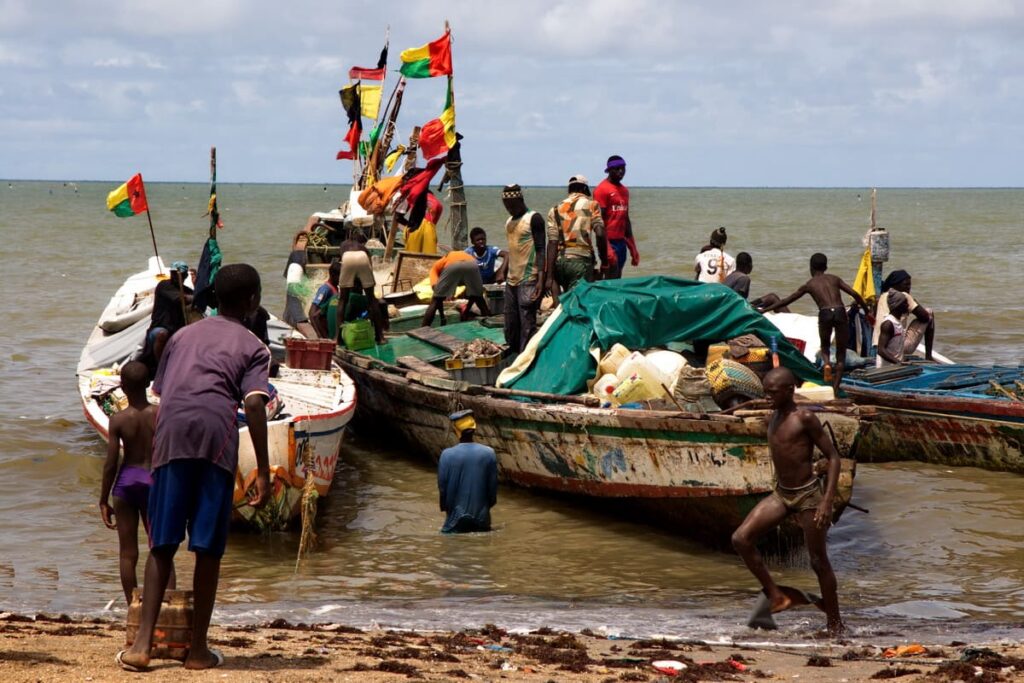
940, 555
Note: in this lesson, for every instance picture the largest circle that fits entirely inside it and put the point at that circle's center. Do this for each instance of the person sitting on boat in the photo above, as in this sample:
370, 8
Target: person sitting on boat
467, 479
892, 344
486, 256
131, 429
574, 225
712, 263
323, 314
454, 269
827, 291
424, 238
525, 276
739, 279
793, 432
170, 299
923, 324
357, 271
297, 287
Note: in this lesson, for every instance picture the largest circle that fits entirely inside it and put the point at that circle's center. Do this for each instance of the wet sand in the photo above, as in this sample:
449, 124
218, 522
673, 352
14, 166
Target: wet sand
58, 648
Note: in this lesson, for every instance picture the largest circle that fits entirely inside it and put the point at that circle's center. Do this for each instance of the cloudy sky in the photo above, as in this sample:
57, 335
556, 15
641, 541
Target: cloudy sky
744, 93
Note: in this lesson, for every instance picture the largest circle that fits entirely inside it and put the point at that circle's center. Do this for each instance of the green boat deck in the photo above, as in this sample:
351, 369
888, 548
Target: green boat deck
405, 345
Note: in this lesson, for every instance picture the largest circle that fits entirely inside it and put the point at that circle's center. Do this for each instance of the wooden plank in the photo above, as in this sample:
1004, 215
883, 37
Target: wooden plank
422, 367
441, 340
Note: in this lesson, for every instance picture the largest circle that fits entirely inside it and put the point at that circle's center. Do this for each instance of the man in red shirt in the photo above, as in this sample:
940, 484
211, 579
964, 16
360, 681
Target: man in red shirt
613, 198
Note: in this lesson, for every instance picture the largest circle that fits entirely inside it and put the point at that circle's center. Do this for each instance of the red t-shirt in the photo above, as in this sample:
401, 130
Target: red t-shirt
614, 202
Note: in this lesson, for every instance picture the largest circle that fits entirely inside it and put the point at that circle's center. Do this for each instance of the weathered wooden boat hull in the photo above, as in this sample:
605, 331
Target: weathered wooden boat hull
949, 431
699, 477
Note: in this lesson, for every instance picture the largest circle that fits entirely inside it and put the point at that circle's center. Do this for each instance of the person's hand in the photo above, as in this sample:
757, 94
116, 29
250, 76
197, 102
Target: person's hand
107, 514
538, 294
823, 514
262, 493
870, 318
635, 258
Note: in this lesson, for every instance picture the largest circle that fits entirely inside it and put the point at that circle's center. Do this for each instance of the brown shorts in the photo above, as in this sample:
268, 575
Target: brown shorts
355, 267
806, 497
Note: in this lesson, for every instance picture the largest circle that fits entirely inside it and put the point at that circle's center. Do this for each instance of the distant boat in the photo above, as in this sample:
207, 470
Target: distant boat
316, 405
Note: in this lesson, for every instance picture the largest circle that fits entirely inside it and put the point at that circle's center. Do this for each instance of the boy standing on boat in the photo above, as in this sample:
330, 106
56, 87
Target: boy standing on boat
793, 432
573, 227
525, 277
613, 198
208, 369
131, 430
467, 479
826, 290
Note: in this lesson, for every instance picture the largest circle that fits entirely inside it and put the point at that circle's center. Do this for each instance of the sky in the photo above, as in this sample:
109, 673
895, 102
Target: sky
886, 93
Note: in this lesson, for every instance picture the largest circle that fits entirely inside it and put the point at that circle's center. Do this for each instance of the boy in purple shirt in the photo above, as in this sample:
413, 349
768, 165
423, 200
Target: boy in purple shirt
206, 370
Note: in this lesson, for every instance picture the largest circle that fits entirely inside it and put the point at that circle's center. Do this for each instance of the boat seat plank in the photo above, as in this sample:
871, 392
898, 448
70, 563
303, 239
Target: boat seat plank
436, 338
422, 367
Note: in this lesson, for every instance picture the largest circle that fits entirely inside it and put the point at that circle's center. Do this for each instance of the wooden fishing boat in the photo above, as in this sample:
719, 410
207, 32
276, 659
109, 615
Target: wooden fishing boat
697, 474
944, 414
304, 436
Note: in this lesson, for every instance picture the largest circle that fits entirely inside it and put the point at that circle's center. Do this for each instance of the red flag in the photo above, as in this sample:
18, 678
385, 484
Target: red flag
352, 138
362, 73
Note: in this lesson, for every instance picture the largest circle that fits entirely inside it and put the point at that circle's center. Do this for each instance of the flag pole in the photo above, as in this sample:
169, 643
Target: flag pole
152, 234
458, 215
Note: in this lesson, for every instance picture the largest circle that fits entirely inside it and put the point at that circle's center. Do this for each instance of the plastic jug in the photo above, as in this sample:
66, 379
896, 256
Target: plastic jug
638, 365
611, 361
631, 389
604, 386
668, 363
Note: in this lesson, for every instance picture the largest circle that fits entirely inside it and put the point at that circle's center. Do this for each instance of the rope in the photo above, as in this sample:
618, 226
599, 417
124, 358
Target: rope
307, 541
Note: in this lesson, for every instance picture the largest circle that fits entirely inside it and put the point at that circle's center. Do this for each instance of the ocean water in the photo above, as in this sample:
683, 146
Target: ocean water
939, 556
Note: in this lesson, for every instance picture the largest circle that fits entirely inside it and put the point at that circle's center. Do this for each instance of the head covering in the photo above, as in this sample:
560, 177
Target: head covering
180, 266
462, 421
512, 191
893, 279
718, 237
579, 179
895, 298
614, 161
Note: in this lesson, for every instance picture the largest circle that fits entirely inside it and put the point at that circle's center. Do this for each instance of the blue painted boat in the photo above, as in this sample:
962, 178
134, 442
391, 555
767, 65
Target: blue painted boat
964, 415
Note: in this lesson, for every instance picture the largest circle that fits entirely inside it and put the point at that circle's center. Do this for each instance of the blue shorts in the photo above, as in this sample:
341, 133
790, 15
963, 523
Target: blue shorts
194, 495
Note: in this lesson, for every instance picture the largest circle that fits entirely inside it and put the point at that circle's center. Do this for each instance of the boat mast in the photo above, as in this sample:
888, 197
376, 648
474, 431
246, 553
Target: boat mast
459, 216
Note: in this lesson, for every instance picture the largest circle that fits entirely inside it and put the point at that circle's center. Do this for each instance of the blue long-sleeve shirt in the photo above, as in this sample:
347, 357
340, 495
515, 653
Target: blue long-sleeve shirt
467, 480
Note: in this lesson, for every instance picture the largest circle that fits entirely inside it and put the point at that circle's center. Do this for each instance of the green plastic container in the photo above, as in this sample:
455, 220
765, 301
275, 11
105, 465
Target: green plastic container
357, 334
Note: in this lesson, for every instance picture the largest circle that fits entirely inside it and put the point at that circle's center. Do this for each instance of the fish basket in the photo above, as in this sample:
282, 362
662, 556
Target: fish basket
479, 370
309, 354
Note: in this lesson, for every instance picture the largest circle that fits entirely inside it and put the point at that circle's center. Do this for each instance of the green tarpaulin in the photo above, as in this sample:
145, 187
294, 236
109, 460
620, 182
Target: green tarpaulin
641, 313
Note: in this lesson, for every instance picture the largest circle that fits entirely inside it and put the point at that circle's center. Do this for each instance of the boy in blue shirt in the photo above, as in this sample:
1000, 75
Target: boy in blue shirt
486, 255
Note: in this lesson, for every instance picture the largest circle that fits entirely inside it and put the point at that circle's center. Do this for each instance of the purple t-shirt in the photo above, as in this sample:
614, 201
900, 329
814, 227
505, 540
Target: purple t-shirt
207, 369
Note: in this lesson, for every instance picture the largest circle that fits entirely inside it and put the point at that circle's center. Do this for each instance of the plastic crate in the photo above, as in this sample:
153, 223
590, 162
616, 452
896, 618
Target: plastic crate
309, 354
482, 370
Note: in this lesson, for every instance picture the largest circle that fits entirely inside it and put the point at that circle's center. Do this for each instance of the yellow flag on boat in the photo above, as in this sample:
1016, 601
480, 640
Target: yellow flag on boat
391, 159
864, 282
369, 100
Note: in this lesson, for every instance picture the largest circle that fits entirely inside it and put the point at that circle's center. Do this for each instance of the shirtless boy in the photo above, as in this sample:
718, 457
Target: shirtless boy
793, 432
826, 290
132, 429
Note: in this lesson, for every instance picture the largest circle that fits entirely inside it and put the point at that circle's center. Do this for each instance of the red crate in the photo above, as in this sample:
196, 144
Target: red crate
309, 354
800, 344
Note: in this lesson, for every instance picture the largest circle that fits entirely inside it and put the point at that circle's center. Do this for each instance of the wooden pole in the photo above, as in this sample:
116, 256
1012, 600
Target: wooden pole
152, 234
409, 164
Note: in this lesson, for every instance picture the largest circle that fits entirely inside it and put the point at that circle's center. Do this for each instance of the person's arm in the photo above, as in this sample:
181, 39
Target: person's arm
499, 276
110, 471
600, 235
884, 337
538, 233
922, 314
553, 238
859, 299
254, 386
823, 515
787, 301
492, 480
442, 482
634, 253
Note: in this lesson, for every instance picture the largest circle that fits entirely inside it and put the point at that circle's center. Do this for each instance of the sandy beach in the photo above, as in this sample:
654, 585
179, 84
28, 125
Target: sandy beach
58, 648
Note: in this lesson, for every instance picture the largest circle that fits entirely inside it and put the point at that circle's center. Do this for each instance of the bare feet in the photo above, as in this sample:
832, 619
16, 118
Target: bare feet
780, 602
210, 659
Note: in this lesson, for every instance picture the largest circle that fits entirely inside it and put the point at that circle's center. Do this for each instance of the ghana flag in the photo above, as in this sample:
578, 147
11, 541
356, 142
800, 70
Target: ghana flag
129, 199
432, 59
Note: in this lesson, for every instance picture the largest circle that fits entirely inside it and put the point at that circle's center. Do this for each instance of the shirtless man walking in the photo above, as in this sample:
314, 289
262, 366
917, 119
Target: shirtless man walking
793, 432
826, 290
